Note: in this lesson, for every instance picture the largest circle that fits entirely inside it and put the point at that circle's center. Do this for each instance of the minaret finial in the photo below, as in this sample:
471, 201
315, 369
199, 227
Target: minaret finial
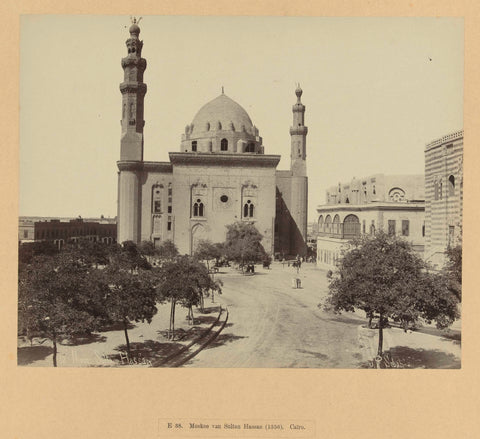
134, 29
298, 92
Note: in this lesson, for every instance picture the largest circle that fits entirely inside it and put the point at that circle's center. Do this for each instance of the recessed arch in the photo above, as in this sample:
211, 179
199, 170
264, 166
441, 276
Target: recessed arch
451, 186
224, 145
396, 194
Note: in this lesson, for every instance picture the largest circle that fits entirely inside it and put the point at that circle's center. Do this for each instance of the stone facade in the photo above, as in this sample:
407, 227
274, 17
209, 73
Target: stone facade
394, 204
443, 196
220, 175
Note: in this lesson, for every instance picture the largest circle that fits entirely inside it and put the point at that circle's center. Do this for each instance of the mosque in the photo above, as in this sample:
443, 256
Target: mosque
219, 176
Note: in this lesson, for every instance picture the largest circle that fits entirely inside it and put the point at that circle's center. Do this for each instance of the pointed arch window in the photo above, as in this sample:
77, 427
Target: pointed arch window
198, 208
224, 145
451, 186
248, 209
194, 146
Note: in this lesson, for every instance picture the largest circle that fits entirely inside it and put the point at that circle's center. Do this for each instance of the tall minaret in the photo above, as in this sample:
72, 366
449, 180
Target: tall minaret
299, 188
131, 144
133, 92
298, 132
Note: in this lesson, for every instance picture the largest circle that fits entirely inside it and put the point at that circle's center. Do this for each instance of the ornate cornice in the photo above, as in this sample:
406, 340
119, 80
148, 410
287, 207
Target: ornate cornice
133, 165
337, 208
201, 159
130, 165
445, 139
163, 167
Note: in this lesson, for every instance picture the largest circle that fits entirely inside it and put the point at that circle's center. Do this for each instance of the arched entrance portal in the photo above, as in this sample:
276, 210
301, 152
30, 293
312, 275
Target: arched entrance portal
198, 233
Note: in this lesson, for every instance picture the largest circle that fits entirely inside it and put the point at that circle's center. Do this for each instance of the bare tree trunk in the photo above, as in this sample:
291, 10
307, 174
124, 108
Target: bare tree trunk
125, 327
191, 315
173, 320
213, 295
380, 336
54, 340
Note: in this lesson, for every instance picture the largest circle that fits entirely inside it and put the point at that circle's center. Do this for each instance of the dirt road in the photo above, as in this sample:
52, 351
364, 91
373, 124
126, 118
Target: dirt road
272, 324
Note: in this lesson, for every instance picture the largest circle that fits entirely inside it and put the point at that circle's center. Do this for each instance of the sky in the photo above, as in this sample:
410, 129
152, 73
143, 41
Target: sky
376, 91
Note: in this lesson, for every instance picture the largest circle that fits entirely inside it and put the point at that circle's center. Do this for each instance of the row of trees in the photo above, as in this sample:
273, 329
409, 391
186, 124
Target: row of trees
87, 287
384, 277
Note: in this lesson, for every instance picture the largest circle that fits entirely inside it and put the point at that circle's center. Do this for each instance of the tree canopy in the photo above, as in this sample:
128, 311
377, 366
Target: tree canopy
453, 270
243, 244
55, 299
184, 281
382, 275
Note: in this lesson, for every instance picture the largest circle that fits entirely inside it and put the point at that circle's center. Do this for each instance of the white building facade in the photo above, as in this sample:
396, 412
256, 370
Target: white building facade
393, 204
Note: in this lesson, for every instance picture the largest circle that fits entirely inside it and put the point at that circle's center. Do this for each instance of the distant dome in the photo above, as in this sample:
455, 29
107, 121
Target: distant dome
224, 110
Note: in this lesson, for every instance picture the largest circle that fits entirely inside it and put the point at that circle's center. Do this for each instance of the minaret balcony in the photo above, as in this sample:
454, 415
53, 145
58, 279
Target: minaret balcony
300, 130
133, 87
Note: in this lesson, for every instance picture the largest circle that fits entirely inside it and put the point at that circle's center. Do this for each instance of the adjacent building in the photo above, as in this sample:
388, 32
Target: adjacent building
220, 175
443, 196
59, 231
394, 204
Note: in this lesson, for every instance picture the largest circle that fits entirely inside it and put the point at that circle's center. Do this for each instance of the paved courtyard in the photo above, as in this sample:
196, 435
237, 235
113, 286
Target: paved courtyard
270, 324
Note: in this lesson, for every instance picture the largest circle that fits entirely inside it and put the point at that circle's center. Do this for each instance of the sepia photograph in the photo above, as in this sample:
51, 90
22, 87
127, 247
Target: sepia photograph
240, 192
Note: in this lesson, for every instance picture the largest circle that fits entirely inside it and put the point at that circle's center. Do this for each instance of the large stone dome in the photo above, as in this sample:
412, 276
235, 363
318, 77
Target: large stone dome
224, 110
222, 126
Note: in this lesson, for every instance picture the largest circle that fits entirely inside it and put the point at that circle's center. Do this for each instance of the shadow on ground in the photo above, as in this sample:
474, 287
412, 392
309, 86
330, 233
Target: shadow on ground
151, 350
208, 320
186, 335
28, 354
223, 339
450, 334
344, 319
211, 310
84, 339
318, 355
404, 357
117, 326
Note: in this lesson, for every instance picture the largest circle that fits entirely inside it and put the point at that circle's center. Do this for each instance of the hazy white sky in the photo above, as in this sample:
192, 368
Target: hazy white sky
376, 91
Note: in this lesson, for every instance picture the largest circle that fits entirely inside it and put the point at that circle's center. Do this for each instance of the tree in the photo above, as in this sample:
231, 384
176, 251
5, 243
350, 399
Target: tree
127, 296
28, 250
206, 251
90, 252
184, 281
54, 299
147, 248
453, 270
243, 244
128, 256
167, 250
383, 276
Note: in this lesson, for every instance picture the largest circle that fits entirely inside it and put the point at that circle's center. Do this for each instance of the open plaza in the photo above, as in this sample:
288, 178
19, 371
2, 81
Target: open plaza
260, 320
